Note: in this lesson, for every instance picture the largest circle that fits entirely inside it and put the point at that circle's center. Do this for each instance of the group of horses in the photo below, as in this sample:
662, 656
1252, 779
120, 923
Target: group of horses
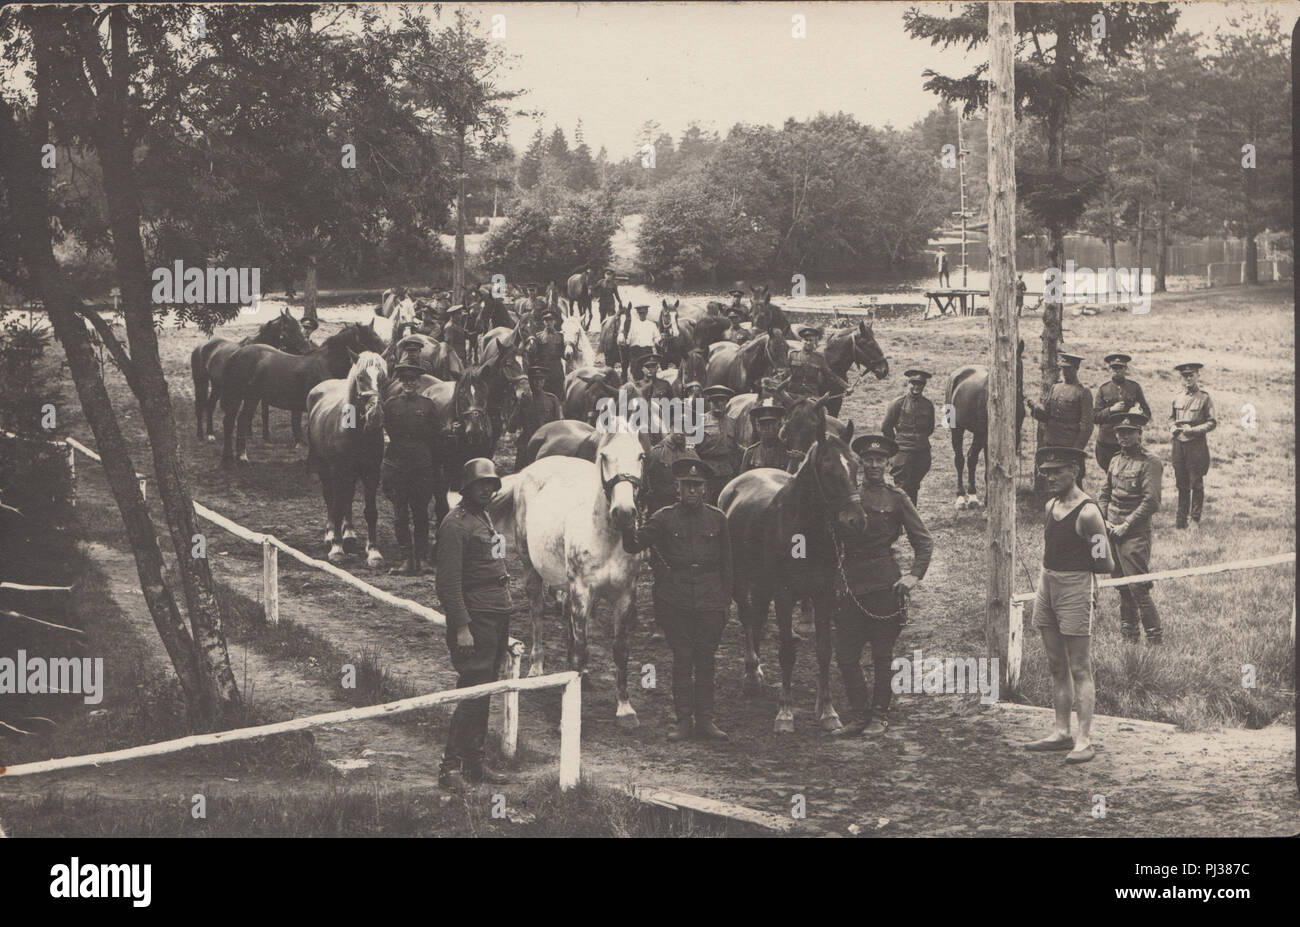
566, 510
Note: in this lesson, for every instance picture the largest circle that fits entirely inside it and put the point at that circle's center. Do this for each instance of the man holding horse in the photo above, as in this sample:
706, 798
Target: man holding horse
769, 450
1075, 548
872, 606
909, 421
719, 448
1117, 395
810, 375
546, 349
1193, 419
606, 293
531, 413
1068, 413
692, 566
660, 484
1129, 498
474, 591
646, 381
640, 336
411, 421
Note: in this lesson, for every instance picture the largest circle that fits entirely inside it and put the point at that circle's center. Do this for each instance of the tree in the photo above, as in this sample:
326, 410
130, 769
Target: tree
530, 165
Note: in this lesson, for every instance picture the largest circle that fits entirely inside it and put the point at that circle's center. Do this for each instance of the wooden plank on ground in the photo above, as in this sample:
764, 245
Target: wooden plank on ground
683, 801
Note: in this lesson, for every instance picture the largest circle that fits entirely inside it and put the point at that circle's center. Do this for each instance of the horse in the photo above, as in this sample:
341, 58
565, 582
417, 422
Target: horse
208, 363
676, 334
742, 366
433, 356
345, 440
766, 316
256, 373
564, 438
783, 549
585, 387
848, 346
967, 396
578, 288
578, 351
796, 421
568, 517
463, 406
503, 369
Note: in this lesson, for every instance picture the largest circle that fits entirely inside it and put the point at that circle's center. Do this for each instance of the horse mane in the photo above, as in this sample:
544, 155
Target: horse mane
368, 360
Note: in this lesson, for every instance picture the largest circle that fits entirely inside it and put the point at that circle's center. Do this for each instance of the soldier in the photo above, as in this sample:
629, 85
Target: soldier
1068, 413
1193, 418
692, 568
719, 447
737, 294
531, 413
647, 383
909, 420
1128, 500
606, 292
736, 332
1020, 293
546, 349
1118, 394
474, 591
769, 450
1066, 591
873, 605
660, 484
810, 376
411, 421
454, 332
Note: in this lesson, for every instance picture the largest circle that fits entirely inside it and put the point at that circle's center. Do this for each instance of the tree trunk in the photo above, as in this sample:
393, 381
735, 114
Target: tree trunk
1252, 257
1141, 239
1162, 253
220, 697
1003, 400
309, 294
458, 267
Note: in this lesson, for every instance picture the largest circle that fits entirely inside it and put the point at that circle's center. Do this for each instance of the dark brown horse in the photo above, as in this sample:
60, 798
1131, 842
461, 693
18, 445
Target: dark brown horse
967, 409
848, 346
256, 373
784, 551
584, 388
345, 441
503, 368
434, 357
766, 316
467, 433
208, 364
741, 367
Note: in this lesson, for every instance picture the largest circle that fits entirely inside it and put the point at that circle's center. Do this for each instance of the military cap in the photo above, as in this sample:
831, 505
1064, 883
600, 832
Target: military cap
737, 288
719, 392
874, 444
1117, 358
1068, 360
1049, 458
691, 468
1189, 365
530, 286
407, 368
1127, 420
639, 308
651, 358
735, 310
537, 370
915, 374
766, 409
803, 331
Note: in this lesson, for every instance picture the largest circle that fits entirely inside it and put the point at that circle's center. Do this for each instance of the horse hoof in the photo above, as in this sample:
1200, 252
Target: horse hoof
336, 555
536, 669
374, 559
211, 439
783, 725
628, 719
831, 722
351, 545
974, 503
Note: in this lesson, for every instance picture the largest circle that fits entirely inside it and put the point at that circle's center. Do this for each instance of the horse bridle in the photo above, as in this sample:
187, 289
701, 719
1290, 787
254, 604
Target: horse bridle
608, 484
459, 426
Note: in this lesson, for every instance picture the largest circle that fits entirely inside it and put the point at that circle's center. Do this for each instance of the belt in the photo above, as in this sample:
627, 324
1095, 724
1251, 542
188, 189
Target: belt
498, 581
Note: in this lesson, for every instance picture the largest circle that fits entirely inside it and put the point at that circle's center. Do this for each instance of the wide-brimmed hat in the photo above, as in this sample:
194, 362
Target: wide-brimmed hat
691, 468
767, 409
1050, 458
479, 468
804, 331
1132, 420
874, 444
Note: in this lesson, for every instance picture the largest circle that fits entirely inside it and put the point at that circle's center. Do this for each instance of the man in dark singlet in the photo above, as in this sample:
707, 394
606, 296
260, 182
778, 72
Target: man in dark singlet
1075, 547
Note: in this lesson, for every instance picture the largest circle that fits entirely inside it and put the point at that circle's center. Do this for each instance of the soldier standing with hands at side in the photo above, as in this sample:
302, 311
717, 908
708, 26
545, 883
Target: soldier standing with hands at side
1116, 395
909, 421
1068, 413
1128, 500
1193, 419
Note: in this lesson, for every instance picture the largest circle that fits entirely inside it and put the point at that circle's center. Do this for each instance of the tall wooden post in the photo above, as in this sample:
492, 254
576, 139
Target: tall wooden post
1001, 462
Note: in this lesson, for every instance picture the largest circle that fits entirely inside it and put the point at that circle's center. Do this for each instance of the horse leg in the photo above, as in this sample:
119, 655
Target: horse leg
785, 713
209, 407
823, 606
753, 615
337, 553
228, 411
578, 608
295, 420
624, 617
972, 459
346, 487
370, 486
959, 461
327, 491
536, 590
244, 429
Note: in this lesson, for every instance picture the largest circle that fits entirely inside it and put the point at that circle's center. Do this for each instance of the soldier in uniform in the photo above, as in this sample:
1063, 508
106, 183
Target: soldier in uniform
873, 605
1068, 413
810, 375
646, 381
546, 349
769, 450
660, 484
737, 294
606, 292
1128, 500
692, 589
474, 591
1118, 394
1193, 418
531, 413
454, 332
736, 332
719, 447
909, 421
411, 421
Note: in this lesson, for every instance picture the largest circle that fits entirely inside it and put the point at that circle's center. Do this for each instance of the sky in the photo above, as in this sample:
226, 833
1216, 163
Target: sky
616, 65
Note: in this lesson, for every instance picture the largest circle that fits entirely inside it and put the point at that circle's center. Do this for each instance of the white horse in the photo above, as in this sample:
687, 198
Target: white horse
578, 351
392, 313
568, 516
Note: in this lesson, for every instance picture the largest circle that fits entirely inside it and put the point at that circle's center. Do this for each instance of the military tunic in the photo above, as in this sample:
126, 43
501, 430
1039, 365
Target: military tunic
691, 560
870, 572
720, 450
412, 422
909, 420
546, 349
607, 298
1108, 394
531, 413
1191, 451
660, 484
1131, 496
769, 455
456, 337
811, 376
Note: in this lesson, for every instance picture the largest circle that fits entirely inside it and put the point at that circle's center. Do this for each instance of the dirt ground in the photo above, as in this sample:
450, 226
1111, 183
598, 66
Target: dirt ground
947, 766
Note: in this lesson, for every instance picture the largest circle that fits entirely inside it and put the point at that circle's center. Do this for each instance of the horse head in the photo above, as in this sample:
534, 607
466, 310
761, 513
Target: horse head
284, 333
367, 381
867, 351
357, 337
829, 476
620, 463
804, 420
469, 406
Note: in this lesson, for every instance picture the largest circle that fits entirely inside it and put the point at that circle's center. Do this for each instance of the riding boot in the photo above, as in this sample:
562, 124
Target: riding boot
1184, 503
705, 729
1198, 500
1128, 620
1150, 620
408, 566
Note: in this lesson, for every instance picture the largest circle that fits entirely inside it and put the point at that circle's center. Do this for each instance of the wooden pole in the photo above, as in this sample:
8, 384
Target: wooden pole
72, 475
1001, 460
510, 700
270, 581
570, 733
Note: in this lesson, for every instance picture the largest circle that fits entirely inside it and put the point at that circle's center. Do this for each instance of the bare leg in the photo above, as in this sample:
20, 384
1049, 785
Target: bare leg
1080, 665
1062, 687
624, 618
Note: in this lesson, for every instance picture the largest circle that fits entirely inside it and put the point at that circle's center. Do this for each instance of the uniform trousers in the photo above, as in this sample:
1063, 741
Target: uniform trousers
853, 631
409, 491
908, 468
1133, 558
1191, 462
467, 732
693, 635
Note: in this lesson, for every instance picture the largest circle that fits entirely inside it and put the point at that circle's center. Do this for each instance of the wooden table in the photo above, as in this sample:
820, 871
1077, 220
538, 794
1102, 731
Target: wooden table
944, 300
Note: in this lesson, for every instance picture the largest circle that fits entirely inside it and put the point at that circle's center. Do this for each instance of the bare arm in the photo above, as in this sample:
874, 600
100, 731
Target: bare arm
1092, 527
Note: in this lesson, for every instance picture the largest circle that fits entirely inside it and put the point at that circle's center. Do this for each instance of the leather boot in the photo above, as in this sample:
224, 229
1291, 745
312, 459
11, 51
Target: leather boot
705, 729
1198, 501
480, 772
1128, 621
407, 567
681, 730
450, 777
1151, 622
1184, 502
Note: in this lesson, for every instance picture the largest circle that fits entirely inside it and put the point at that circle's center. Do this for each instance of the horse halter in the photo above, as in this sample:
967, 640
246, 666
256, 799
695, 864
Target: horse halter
608, 484
464, 387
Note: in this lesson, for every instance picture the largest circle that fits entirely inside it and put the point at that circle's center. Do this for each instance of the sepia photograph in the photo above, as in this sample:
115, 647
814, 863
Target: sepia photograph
636, 419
